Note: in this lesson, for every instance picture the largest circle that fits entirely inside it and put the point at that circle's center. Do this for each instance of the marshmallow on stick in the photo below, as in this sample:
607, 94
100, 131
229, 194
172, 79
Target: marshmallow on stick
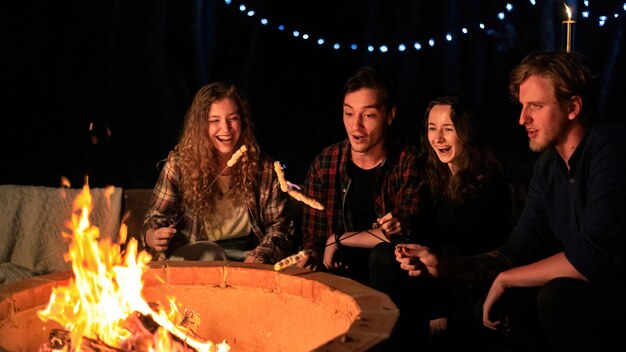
233, 159
281, 176
290, 260
285, 187
306, 200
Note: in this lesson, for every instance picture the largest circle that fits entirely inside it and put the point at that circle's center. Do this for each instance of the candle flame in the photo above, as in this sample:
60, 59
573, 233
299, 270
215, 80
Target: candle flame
569, 12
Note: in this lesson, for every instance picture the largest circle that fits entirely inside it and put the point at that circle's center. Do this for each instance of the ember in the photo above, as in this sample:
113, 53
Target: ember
102, 300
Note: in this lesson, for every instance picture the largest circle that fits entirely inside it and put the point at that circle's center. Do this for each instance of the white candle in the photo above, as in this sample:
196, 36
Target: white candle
568, 32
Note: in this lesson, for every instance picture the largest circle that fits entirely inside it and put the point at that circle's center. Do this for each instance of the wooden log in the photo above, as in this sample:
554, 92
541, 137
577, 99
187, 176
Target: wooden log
58, 338
142, 329
191, 321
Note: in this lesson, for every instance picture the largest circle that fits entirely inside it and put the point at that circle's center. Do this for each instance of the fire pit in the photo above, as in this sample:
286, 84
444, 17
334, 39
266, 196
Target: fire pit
251, 306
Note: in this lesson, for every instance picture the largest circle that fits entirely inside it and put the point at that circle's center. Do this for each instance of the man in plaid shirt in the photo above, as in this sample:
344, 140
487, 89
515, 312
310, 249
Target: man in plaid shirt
368, 186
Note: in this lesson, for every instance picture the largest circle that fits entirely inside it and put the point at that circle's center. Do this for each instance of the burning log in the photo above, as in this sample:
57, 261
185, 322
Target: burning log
142, 329
147, 322
141, 337
102, 305
59, 339
191, 321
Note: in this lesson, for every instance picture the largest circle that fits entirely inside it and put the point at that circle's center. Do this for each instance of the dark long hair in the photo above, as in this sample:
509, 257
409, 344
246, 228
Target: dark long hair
477, 163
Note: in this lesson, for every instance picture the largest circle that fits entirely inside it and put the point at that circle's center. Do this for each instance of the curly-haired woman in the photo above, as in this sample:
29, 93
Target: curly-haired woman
217, 196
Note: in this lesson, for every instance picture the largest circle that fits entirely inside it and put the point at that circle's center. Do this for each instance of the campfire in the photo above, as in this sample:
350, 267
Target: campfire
116, 299
103, 302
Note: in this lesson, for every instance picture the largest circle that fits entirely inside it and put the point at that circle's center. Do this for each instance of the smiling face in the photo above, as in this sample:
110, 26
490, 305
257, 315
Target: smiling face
442, 135
365, 120
224, 126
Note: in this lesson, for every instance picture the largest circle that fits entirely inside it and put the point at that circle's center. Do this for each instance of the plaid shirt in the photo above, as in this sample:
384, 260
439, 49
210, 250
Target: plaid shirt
271, 222
328, 182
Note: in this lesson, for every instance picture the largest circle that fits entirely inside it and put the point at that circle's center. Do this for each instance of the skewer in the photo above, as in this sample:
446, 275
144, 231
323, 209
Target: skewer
292, 191
290, 260
233, 159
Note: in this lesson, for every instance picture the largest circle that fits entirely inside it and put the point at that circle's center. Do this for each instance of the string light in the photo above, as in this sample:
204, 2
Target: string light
417, 46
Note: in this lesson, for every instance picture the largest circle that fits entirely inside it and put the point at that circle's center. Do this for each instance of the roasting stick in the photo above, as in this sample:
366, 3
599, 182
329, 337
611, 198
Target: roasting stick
290, 189
290, 260
297, 195
173, 225
232, 161
281, 176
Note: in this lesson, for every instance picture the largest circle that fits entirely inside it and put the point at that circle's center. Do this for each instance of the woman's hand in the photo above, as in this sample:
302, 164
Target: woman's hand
417, 260
159, 238
252, 260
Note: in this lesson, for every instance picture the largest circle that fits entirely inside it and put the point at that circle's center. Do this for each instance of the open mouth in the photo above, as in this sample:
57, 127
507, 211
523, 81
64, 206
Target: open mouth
444, 149
224, 139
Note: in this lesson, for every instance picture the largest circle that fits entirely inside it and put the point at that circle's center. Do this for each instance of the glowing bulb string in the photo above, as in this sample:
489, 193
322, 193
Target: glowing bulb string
416, 44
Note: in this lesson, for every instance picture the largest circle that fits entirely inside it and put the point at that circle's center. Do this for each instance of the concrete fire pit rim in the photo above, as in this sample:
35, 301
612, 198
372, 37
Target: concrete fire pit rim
369, 306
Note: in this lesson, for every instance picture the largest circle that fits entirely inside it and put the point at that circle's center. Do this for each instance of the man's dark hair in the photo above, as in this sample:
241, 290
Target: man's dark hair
370, 77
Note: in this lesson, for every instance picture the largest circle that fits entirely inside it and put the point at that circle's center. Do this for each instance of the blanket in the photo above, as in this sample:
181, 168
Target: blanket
33, 220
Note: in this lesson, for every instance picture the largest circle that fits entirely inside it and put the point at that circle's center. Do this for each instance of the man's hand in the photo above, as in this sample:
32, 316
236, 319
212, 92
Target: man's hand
332, 261
495, 292
310, 261
389, 225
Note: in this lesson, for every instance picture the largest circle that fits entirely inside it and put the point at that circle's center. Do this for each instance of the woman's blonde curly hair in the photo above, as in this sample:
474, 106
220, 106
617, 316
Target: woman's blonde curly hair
194, 157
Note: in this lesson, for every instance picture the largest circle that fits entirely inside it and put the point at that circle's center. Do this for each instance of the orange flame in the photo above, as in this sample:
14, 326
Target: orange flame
569, 12
106, 289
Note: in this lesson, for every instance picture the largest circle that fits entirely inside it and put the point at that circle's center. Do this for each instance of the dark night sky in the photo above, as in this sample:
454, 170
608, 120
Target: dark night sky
130, 68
